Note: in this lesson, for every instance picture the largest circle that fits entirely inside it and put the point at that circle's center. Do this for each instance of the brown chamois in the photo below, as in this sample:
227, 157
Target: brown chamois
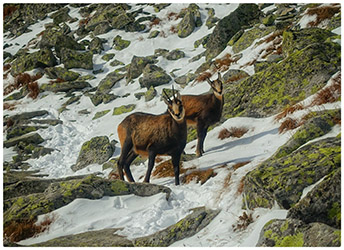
151, 135
201, 111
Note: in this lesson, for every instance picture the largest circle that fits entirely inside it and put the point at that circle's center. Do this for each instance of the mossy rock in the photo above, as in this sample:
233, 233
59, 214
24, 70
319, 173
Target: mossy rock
322, 203
74, 59
227, 27
65, 86
295, 233
187, 227
33, 138
96, 45
185, 79
248, 37
153, 76
186, 25
293, 79
122, 21
137, 65
283, 179
68, 42
115, 63
27, 115
40, 59
212, 19
62, 73
202, 41
100, 114
21, 130
319, 124
108, 57
175, 55
97, 150
61, 16
150, 94
123, 109
154, 34
109, 81
160, 6
119, 43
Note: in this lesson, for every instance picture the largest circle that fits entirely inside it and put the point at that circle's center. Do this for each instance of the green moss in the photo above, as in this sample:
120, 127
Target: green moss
338, 240
100, 114
123, 109
119, 187
119, 43
335, 211
291, 241
108, 57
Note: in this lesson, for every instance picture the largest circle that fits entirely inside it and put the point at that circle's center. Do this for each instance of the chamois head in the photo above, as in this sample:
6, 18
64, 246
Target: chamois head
175, 107
216, 85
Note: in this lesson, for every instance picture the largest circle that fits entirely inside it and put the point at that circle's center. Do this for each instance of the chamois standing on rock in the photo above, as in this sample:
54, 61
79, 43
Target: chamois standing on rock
151, 135
202, 111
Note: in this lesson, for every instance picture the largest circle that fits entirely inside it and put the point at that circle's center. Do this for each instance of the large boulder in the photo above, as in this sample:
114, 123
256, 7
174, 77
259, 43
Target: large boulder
300, 75
61, 16
68, 42
65, 86
74, 59
184, 228
191, 19
96, 45
154, 76
40, 59
62, 73
283, 179
30, 138
322, 203
229, 26
97, 150
119, 43
295, 233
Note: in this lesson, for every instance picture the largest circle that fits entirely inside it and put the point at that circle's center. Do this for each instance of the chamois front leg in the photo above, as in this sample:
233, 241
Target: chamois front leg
175, 163
151, 160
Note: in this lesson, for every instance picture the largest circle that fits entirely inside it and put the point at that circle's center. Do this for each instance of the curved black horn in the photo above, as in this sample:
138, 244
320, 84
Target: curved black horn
167, 97
173, 93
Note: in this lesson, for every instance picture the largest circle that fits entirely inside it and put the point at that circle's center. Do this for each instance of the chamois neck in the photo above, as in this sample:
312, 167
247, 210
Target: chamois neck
218, 96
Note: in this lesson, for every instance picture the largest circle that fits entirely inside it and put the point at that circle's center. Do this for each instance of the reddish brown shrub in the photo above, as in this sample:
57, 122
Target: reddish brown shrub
322, 13
154, 22
9, 123
113, 175
19, 230
241, 186
240, 164
9, 106
33, 89
223, 63
57, 80
276, 34
289, 110
165, 169
235, 78
329, 94
9, 9
243, 222
6, 67
288, 124
172, 16
232, 132
203, 76
199, 176
173, 29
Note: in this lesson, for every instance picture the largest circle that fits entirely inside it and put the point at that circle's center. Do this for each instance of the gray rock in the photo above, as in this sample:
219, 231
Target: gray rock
119, 43
184, 228
185, 79
61, 16
154, 34
96, 45
295, 233
65, 86
62, 73
32, 138
322, 204
234, 75
97, 150
28, 115
137, 65
175, 55
74, 59
154, 76
66, 42
102, 28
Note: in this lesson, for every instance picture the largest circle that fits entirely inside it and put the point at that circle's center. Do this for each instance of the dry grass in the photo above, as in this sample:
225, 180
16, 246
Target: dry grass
162, 34
6, 67
288, 124
235, 78
9, 123
203, 76
57, 80
24, 79
172, 16
154, 22
322, 13
84, 22
329, 94
241, 186
165, 169
232, 132
222, 64
113, 175
33, 89
240, 164
243, 222
173, 29
198, 176
289, 110
9, 106
17, 231
8, 10
277, 34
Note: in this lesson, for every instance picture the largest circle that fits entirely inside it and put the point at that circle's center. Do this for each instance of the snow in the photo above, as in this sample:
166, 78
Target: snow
140, 216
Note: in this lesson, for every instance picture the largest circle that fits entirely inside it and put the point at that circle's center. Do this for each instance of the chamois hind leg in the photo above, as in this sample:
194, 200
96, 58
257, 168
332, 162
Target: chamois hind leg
130, 158
175, 163
126, 149
151, 160
201, 134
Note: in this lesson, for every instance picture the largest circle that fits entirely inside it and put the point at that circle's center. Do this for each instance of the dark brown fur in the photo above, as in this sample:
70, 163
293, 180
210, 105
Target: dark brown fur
151, 135
202, 111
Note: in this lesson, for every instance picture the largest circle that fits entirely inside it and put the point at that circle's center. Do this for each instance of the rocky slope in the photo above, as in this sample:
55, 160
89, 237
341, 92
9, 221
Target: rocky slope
86, 66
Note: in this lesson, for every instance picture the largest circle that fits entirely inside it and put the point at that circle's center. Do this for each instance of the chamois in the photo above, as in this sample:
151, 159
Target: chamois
204, 110
151, 135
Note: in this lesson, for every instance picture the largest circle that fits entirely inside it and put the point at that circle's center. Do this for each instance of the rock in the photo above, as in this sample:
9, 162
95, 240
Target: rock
318, 124
50, 35
40, 59
291, 80
283, 179
202, 41
65, 86
119, 43
161, 52
154, 34
102, 28
175, 55
98, 238
154, 76
234, 75
33, 138
96, 45
61, 16
184, 228
212, 20
62, 73
299, 39
15, 131
185, 79
294, 233
160, 6
115, 63
27, 115
322, 204
66, 42
108, 57
122, 21
268, 20
228, 26
150, 94
123, 109
51, 122
191, 19
97, 150
248, 37
73, 59
100, 114
63, 191
137, 65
